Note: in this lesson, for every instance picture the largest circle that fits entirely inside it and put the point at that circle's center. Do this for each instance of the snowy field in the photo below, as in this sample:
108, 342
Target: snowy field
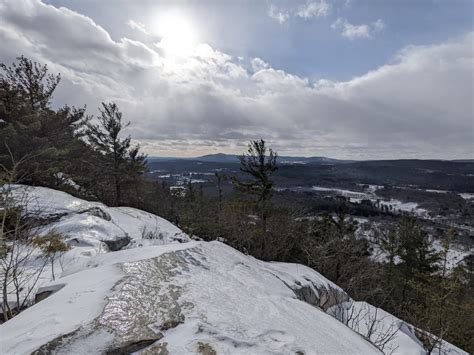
394, 205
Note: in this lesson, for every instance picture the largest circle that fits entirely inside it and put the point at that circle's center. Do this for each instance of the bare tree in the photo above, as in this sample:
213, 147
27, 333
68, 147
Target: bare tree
368, 322
22, 261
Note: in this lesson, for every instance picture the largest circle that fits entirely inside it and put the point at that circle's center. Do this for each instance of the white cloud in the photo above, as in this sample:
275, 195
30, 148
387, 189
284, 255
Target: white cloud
315, 8
378, 25
278, 15
418, 106
138, 26
259, 64
351, 31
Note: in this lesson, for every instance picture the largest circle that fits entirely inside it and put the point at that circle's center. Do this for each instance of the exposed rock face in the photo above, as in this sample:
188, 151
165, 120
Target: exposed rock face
98, 212
325, 298
42, 295
118, 243
140, 307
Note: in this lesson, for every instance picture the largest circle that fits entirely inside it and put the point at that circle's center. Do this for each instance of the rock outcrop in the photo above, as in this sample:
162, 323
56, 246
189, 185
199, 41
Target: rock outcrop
162, 293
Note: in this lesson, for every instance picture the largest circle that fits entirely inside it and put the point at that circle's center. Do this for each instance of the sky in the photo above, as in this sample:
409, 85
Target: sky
351, 79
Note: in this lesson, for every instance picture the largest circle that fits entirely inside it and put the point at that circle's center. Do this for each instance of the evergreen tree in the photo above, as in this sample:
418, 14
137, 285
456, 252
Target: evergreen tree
30, 130
118, 158
388, 242
415, 249
436, 301
259, 166
27, 83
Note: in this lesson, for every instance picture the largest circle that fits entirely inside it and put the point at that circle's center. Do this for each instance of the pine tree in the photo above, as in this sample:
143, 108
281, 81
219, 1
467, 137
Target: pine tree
30, 129
259, 166
415, 249
118, 157
27, 83
437, 301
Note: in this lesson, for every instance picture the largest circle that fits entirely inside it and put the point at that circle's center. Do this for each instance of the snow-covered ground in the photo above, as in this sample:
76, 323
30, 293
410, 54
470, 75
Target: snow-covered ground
391, 334
164, 293
346, 193
467, 195
394, 205
410, 207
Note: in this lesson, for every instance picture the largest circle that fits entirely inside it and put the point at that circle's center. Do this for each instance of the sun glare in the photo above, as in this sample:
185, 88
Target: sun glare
178, 36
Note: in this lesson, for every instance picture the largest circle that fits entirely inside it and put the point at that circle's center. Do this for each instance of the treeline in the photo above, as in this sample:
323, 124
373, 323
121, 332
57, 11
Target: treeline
64, 148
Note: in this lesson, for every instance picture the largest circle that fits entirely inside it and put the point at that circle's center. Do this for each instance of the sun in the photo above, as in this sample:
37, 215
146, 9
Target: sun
178, 35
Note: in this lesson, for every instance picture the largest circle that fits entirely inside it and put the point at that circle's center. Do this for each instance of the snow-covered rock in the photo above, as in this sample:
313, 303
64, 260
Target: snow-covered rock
388, 332
181, 298
163, 293
93, 224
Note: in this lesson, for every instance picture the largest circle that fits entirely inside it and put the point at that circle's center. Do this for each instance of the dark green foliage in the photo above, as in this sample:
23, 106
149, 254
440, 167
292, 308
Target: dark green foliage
259, 166
118, 160
30, 130
414, 249
26, 85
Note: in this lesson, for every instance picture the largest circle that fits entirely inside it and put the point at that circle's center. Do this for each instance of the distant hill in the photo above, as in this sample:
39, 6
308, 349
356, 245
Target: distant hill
316, 171
218, 158
232, 158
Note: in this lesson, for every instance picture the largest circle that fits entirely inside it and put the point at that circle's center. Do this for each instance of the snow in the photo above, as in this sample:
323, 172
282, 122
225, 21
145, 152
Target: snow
390, 333
128, 255
411, 207
467, 195
345, 193
87, 226
357, 197
65, 180
455, 254
437, 191
231, 302
315, 288
79, 301
137, 223
91, 223
181, 294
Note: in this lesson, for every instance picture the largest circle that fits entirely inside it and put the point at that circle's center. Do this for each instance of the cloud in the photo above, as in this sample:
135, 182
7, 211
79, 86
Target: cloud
278, 15
419, 105
138, 26
378, 25
351, 31
315, 8
259, 64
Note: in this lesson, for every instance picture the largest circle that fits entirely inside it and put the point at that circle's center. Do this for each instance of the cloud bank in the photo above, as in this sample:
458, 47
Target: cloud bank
419, 105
